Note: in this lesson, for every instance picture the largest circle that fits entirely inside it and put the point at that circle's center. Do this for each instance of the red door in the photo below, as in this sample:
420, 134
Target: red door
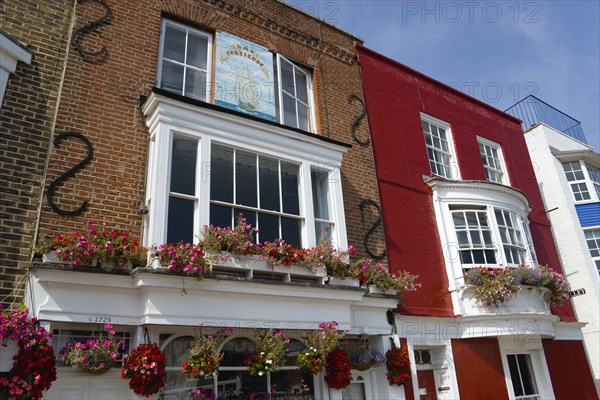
427, 384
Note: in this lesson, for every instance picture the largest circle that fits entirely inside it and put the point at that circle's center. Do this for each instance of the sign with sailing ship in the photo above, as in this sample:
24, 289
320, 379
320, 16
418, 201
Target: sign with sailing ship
244, 79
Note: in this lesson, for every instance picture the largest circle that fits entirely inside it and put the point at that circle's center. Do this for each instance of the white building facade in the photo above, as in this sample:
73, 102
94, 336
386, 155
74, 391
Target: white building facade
568, 174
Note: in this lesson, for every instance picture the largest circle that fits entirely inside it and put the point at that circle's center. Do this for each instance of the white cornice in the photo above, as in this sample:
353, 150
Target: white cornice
478, 191
160, 109
11, 53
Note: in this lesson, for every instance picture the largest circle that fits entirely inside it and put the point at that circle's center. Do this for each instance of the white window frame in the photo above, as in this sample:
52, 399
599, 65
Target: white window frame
309, 92
595, 185
258, 209
480, 231
209, 50
448, 195
591, 186
501, 167
531, 345
167, 117
519, 224
454, 170
596, 237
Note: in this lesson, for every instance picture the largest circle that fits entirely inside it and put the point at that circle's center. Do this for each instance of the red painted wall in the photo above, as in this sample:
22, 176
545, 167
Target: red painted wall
395, 95
569, 371
479, 370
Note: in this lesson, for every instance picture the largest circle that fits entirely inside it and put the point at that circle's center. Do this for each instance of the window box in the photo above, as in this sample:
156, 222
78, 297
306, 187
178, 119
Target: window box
252, 267
530, 300
350, 282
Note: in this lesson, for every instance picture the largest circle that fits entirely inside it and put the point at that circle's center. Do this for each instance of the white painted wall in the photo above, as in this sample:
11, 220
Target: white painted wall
569, 237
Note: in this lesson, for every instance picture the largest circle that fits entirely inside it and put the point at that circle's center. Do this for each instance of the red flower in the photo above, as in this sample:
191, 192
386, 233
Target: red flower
338, 369
145, 369
398, 366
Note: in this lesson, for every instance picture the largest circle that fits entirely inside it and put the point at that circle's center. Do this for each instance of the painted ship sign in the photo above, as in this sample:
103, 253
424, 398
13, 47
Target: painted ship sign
244, 77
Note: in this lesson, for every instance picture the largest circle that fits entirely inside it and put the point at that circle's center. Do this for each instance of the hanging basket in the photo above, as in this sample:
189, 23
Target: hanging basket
362, 366
96, 370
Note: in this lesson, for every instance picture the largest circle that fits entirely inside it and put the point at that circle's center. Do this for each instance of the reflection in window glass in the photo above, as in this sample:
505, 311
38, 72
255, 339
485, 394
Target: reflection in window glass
265, 187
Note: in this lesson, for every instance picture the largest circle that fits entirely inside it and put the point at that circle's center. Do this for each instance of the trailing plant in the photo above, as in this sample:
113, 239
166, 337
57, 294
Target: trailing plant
280, 252
145, 369
325, 255
369, 272
272, 348
238, 240
204, 356
310, 360
97, 355
183, 258
320, 343
398, 366
338, 369
110, 247
361, 357
34, 366
494, 286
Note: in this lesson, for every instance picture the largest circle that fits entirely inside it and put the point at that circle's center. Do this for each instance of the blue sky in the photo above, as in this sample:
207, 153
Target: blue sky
497, 51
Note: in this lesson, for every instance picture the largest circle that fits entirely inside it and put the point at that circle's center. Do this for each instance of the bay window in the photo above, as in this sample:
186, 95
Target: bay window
487, 236
208, 167
481, 224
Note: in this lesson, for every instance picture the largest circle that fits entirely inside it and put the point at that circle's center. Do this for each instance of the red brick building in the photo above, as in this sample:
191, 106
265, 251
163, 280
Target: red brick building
458, 191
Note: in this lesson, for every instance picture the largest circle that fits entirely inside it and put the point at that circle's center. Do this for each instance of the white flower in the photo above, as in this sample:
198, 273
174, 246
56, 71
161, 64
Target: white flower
260, 373
262, 353
269, 361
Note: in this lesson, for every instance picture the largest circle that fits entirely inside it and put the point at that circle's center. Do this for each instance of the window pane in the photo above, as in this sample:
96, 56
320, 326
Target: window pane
195, 84
250, 218
174, 47
527, 376
221, 174
302, 117
289, 188
172, 77
320, 183
220, 216
268, 227
180, 224
236, 351
197, 50
245, 179
301, 87
290, 230
514, 375
289, 111
269, 183
287, 77
323, 231
183, 166
459, 220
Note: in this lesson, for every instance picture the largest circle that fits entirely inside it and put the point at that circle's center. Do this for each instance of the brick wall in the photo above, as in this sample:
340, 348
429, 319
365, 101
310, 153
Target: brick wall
26, 121
101, 100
